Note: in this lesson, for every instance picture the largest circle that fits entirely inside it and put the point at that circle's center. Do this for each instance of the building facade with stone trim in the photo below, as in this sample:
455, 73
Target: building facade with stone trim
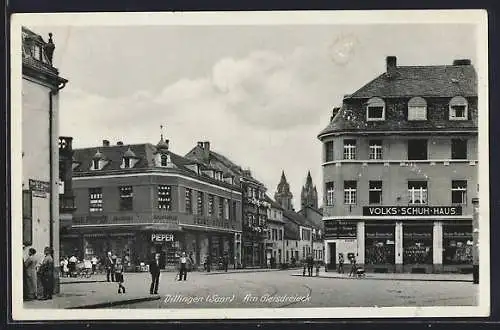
400, 170
254, 205
41, 84
140, 199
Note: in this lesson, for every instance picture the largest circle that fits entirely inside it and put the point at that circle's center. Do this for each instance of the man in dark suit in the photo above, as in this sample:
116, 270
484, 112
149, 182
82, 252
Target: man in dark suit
154, 269
109, 263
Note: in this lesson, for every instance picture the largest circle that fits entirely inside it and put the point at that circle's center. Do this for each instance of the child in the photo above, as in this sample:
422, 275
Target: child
119, 275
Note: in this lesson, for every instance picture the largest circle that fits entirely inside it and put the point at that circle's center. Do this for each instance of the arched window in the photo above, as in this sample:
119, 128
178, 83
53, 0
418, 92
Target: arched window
126, 162
164, 160
417, 109
458, 108
375, 109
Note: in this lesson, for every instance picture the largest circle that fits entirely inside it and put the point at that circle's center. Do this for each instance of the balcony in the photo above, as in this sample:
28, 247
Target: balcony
66, 203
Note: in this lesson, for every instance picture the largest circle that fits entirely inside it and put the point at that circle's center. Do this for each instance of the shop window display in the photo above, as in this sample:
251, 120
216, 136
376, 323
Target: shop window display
457, 245
379, 245
417, 244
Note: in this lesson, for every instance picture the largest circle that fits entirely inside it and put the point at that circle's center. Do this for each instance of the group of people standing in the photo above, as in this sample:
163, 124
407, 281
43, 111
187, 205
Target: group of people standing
33, 270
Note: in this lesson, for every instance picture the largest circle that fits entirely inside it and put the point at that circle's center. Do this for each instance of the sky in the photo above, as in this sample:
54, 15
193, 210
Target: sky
259, 94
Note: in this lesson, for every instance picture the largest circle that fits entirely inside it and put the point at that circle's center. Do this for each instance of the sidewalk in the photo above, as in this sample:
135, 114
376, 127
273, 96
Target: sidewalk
246, 270
397, 276
93, 294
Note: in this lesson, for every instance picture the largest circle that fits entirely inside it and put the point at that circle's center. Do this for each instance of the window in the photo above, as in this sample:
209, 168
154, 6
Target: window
375, 192
350, 192
330, 193
27, 217
210, 205
164, 160
417, 191
459, 192
188, 199
269, 235
95, 197
329, 151
281, 235
375, 149
417, 109
234, 211
221, 208
165, 197
95, 164
458, 149
375, 109
226, 209
199, 205
417, 149
349, 149
126, 198
458, 108
126, 162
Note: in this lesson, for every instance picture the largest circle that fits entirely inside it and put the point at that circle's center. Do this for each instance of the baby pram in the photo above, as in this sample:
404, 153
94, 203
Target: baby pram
360, 272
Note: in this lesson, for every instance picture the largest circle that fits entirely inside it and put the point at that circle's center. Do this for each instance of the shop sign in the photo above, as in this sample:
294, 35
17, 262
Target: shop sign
39, 194
458, 234
162, 237
166, 218
384, 235
411, 211
40, 186
340, 229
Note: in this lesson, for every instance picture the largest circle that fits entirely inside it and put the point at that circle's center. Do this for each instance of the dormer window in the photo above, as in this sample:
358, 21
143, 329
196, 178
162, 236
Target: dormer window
95, 164
126, 162
164, 160
375, 109
417, 109
458, 108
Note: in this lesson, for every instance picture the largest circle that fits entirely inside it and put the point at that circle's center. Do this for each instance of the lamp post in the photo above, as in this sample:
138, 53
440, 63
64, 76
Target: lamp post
475, 240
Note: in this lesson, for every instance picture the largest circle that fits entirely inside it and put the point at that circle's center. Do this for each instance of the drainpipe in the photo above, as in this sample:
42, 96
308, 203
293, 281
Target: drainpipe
51, 162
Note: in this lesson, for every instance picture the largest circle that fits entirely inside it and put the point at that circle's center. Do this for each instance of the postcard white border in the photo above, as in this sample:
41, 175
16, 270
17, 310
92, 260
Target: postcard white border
476, 17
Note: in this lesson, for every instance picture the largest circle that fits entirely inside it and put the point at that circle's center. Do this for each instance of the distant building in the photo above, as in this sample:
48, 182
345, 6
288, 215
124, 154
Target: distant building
140, 199
40, 153
254, 208
309, 195
283, 195
275, 242
400, 170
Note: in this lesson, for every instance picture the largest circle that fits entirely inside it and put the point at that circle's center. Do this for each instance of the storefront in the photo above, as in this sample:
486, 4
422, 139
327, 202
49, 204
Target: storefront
380, 246
417, 246
457, 244
341, 238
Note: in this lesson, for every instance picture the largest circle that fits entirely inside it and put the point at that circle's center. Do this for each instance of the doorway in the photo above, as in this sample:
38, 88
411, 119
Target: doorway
332, 249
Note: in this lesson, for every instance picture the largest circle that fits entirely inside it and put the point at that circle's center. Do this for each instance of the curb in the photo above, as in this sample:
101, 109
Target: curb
77, 282
390, 279
245, 271
116, 303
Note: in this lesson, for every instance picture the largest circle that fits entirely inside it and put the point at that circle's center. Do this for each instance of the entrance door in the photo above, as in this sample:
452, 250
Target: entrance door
333, 254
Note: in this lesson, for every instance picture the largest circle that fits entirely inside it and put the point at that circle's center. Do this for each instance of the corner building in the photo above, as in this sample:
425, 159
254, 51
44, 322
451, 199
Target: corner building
142, 199
400, 170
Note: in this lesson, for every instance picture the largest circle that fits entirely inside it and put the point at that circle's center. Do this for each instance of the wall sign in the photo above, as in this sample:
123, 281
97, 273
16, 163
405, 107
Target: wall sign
162, 237
411, 211
340, 229
40, 186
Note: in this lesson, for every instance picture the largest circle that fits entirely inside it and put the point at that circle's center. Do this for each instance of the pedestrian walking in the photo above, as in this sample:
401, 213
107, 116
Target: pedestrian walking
183, 264
353, 266
341, 263
208, 264
154, 270
109, 263
119, 275
94, 264
226, 262
30, 272
310, 265
46, 273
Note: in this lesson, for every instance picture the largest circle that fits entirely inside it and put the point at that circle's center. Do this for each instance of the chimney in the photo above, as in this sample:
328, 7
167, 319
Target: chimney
119, 143
105, 143
462, 62
200, 144
391, 64
206, 149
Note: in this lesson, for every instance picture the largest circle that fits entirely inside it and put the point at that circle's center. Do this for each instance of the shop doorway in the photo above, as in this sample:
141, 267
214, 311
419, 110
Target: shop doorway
332, 249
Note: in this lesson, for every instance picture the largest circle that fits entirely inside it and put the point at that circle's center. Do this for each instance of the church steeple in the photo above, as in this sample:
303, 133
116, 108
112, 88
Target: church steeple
283, 196
309, 195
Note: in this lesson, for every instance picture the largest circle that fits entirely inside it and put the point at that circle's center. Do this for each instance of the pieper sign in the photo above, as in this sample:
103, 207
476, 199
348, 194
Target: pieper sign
162, 237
